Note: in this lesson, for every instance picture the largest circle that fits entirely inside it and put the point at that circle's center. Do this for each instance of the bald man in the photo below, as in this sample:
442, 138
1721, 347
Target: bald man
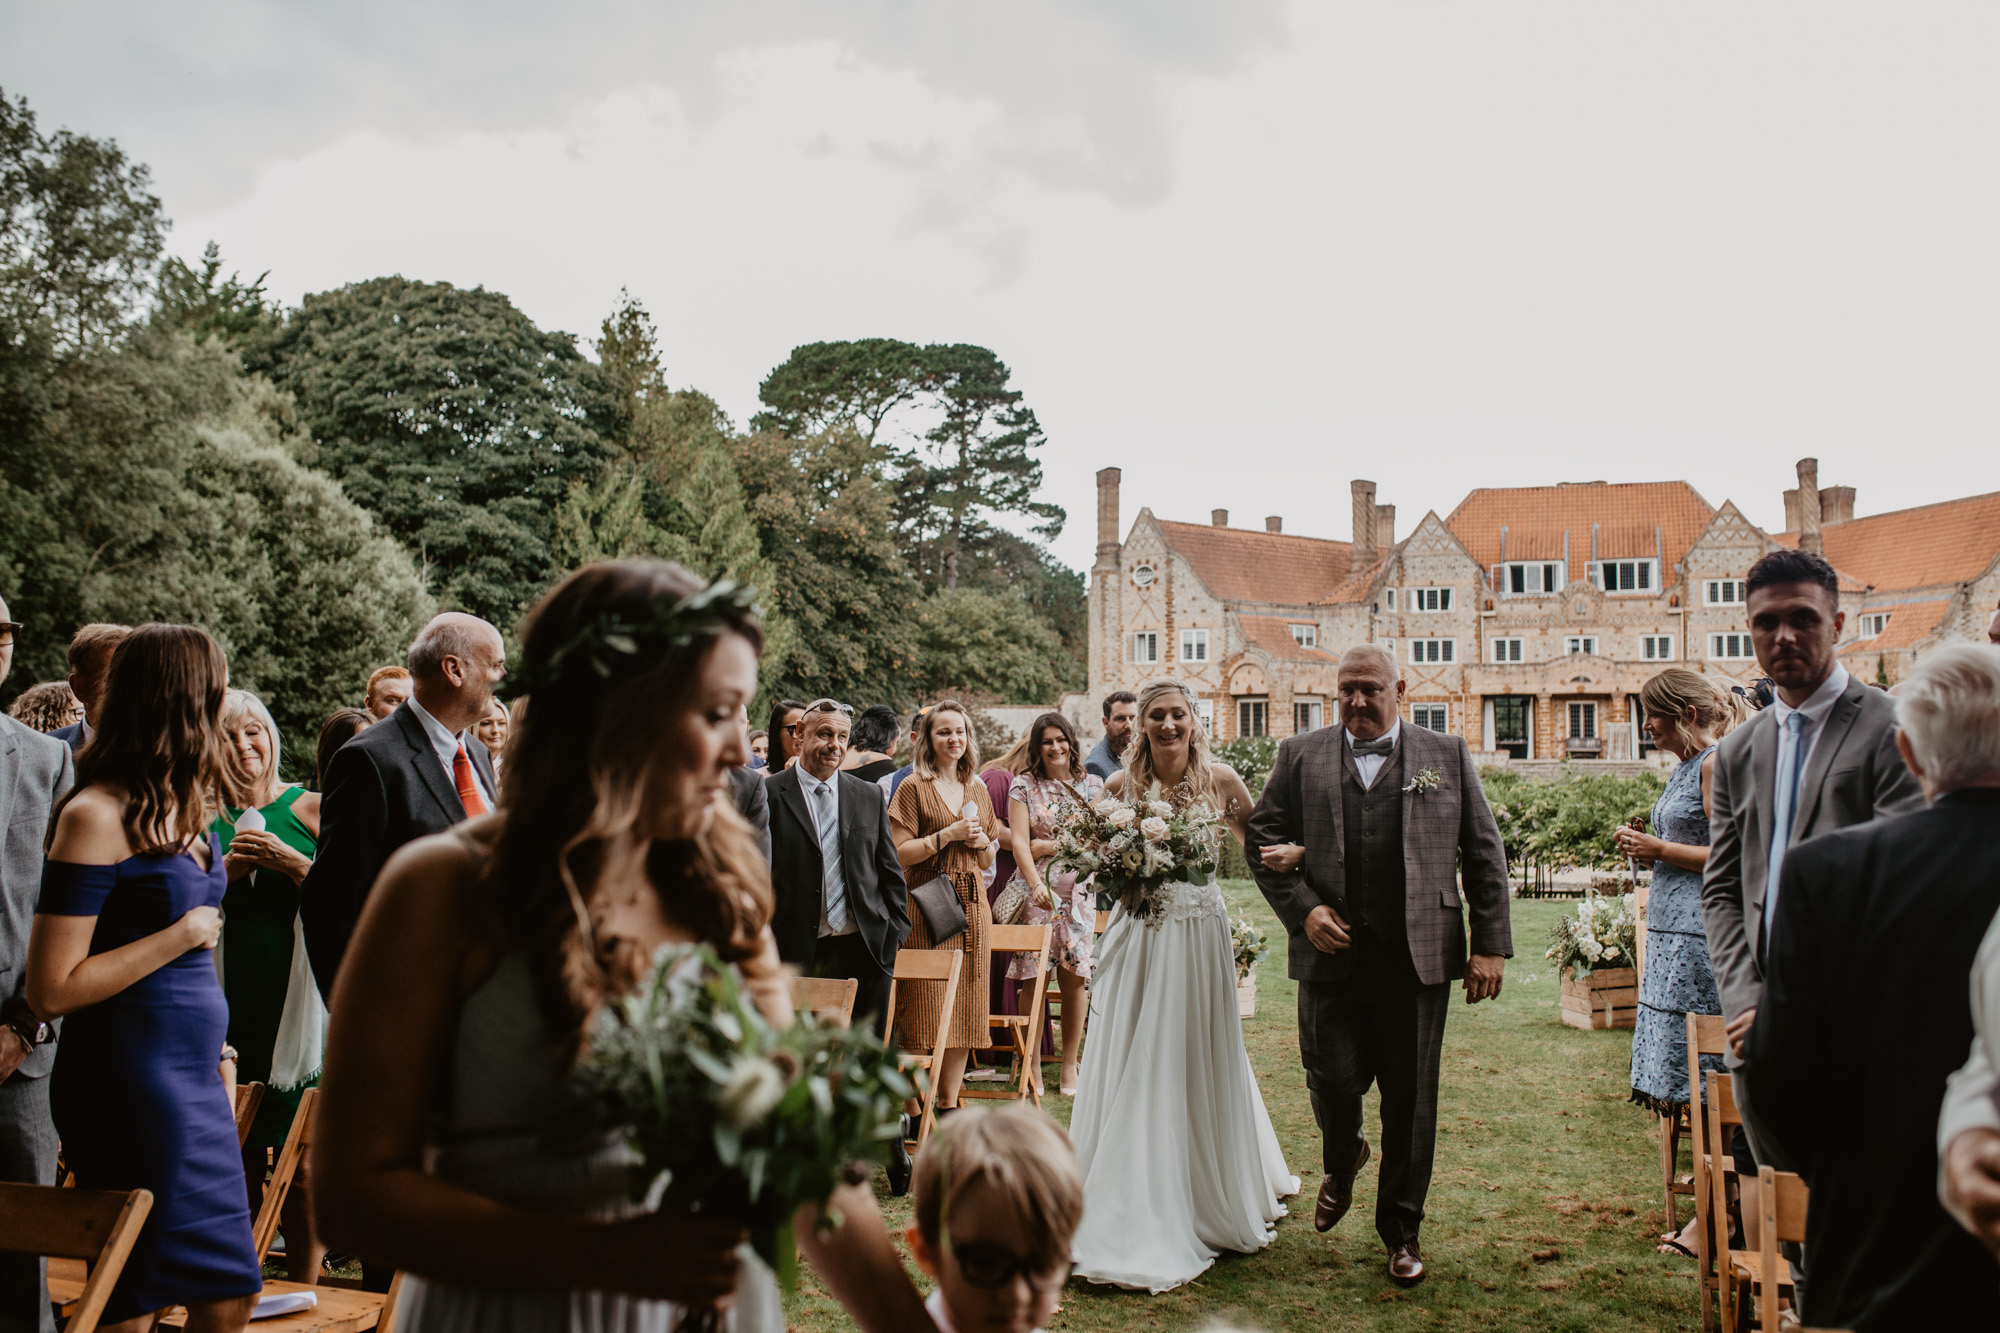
417, 772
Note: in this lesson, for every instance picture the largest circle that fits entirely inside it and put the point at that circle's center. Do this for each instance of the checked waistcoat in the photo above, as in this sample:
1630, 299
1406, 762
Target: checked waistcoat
1374, 834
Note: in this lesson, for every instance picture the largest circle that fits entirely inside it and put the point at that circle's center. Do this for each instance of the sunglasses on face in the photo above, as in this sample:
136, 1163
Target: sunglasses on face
8, 629
989, 1267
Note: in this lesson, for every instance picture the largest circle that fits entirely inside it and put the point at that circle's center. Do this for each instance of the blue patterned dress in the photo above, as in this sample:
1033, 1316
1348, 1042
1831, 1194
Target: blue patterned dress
1678, 979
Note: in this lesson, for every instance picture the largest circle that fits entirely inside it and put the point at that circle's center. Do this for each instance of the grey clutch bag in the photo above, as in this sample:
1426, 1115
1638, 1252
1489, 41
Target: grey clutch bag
944, 915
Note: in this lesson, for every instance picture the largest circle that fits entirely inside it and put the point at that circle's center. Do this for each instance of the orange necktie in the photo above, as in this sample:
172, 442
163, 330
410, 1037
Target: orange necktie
468, 785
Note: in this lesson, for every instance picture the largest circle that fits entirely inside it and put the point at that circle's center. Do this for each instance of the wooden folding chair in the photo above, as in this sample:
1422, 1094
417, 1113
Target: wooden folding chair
1722, 1115
94, 1227
927, 965
1025, 1030
264, 1227
1781, 1202
1707, 1034
832, 998
249, 1097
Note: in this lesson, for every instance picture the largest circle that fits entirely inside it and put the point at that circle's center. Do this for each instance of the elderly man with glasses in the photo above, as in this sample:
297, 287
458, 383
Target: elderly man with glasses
842, 909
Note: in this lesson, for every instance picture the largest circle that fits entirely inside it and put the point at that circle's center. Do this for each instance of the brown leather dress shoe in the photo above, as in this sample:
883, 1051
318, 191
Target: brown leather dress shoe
1406, 1265
1336, 1193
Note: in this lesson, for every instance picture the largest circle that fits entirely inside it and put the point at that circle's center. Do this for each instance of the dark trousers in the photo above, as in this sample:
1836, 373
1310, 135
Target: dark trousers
1381, 1026
27, 1157
844, 956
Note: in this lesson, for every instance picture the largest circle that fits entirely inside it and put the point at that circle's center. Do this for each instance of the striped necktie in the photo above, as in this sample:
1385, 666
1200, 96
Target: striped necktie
467, 783
834, 887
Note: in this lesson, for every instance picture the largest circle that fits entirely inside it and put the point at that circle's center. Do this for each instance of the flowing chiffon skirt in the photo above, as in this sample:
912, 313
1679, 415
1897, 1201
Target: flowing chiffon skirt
1179, 1160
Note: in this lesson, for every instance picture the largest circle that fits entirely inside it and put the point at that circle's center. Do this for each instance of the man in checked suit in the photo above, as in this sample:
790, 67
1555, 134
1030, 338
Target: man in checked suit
1389, 817
842, 909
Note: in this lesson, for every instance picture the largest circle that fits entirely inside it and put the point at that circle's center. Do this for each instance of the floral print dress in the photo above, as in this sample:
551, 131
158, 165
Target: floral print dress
1075, 911
1679, 980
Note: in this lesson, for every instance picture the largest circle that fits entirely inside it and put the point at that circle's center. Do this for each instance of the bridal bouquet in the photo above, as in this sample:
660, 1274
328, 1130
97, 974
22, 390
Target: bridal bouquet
1137, 848
731, 1116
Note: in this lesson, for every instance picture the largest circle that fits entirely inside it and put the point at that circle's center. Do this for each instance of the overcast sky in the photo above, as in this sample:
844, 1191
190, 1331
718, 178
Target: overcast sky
1244, 251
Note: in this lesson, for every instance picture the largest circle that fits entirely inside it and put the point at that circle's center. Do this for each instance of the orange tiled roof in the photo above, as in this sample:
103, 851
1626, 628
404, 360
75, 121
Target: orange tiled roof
1908, 623
1354, 588
1241, 566
1948, 542
1632, 519
1274, 635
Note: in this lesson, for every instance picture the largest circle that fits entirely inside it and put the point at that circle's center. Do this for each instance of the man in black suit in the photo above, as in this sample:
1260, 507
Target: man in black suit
90, 650
1864, 1016
417, 772
843, 910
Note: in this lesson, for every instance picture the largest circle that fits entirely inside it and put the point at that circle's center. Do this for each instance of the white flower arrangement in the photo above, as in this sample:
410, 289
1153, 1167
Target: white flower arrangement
1136, 849
1603, 933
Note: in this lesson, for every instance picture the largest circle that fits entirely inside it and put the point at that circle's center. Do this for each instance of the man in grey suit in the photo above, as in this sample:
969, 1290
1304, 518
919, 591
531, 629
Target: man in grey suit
1823, 756
1359, 844
35, 773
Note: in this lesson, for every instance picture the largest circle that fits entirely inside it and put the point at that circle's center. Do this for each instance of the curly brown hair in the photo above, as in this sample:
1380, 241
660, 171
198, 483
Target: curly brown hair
580, 759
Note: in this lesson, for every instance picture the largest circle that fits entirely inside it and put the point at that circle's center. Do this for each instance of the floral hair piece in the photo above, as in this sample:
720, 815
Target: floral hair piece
612, 640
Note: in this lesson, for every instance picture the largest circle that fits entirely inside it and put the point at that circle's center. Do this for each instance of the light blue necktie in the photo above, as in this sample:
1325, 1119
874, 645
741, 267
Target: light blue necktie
835, 887
1784, 809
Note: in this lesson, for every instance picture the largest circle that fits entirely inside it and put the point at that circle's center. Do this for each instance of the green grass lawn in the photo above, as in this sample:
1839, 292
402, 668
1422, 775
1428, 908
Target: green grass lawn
1543, 1211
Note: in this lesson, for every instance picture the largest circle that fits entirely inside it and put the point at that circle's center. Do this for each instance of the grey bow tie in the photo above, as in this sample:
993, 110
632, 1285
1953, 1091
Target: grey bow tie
1382, 745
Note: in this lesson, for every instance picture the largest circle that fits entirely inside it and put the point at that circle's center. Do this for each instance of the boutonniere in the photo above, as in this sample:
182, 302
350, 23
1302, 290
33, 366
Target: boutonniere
1425, 780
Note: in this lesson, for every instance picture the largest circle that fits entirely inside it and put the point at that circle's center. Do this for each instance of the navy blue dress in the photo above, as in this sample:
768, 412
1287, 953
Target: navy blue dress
135, 1091
1679, 980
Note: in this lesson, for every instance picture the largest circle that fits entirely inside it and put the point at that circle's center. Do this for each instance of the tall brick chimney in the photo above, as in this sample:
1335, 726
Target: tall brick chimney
1836, 504
1809, 505
1364, 524
1106, 657
1274, 524
1218, 518
1792, 510
1107, 518
1385, 526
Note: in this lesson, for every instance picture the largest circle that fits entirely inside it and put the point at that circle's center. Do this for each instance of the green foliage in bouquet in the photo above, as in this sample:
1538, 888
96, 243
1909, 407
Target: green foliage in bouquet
732, 1116
1603, 933
1250, 946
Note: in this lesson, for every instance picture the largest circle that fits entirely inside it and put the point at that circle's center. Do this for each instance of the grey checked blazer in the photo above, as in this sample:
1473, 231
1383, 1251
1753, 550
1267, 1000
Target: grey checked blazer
35, 772
1445, 829
1855, 775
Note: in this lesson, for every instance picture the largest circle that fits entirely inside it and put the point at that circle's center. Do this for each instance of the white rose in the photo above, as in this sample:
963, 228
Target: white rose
1122, 817
1153, 827
755, 1088
1160, 808
1610, 951
1105, 806
1120, 841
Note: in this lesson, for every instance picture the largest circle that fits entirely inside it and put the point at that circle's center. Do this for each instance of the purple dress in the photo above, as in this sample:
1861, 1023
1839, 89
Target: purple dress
136, 1094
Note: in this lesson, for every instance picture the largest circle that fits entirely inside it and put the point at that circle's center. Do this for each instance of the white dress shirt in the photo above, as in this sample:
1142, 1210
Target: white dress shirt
828, 792
1814, 710
1972, 1095
1368, 765
446, 746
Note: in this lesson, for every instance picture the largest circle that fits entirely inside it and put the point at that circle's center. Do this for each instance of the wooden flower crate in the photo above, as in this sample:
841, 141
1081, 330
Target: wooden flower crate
1607, 998
1246, 997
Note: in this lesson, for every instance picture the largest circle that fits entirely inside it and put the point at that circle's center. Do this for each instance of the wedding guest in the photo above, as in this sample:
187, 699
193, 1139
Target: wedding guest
341, 726
1121, 712
1877, 930
121, 947
753, 803
36, 771
760, 748
783, 732
276, 1019
492, 732
901, 775
487, 954
998, 1201
1686, 714
842, 909
418, 772
90, 650
49, 706
1969, 1125
1993, 627
870, 755
936, 838
389, 688
1035, 804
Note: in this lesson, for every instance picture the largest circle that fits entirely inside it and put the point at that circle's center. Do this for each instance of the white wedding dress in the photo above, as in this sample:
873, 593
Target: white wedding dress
1179, 1159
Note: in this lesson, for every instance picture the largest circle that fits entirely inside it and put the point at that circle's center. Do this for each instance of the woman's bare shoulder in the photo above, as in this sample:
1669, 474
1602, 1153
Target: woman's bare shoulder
433, 876
91, 828
1115, 784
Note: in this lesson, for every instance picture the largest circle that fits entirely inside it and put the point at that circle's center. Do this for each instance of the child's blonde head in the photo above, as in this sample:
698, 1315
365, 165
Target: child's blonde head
1022, 1155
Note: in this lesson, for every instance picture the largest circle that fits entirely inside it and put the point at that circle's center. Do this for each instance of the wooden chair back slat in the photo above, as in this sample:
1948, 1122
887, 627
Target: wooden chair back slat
1026, 1028
1781, 1199
1707, 1034
928, 965
832, 998
264, 1228
99, 1226
249, 1098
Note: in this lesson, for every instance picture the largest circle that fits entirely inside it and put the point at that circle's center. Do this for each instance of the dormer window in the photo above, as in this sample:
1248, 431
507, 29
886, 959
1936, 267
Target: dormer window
1305, 636
1626, 575
1873, 623
1531, 578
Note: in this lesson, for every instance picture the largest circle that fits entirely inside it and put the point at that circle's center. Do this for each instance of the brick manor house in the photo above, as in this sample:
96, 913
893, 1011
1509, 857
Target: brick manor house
1525, 620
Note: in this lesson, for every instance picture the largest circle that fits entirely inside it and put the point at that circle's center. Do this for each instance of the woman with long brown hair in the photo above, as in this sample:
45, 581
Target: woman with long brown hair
121, 946
942, 822
482, 960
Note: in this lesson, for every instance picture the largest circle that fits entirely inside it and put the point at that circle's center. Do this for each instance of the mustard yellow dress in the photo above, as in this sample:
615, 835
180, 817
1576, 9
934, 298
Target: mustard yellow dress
920, 1004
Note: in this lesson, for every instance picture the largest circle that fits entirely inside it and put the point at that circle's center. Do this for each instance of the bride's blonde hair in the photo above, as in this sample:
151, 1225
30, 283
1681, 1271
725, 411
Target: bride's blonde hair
1140, 770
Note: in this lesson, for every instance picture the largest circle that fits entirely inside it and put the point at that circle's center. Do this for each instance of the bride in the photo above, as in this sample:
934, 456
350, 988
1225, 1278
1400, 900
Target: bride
1179, 1159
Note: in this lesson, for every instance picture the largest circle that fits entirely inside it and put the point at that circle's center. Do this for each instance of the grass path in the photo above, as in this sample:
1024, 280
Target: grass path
1542, 1212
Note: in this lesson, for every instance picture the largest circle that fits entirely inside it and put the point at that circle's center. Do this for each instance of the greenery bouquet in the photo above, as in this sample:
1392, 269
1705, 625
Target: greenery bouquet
730, 1115
1137, 848
1603, 933
1250, 947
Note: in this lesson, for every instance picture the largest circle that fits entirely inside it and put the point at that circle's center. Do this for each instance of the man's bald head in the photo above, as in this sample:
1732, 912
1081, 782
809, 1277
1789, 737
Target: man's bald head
7, 648
455, 662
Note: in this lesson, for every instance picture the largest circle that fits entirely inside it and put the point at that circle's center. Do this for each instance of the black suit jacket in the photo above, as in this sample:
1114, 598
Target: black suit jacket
753, 804
876, 893
384, 788
1864, 1016
73, 735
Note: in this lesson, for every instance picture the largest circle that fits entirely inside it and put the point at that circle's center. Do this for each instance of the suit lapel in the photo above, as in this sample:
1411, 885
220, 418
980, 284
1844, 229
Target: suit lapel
482, 759
440, 783
1839, 723
1337, 771
849, 844
792, 791
1763, 781
10, 774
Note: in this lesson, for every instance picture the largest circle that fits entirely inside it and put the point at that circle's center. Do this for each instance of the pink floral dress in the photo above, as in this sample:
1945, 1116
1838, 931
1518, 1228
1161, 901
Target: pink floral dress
1075, 912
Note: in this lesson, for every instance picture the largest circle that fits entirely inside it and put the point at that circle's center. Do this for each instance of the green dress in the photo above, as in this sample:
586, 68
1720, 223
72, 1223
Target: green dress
258, 912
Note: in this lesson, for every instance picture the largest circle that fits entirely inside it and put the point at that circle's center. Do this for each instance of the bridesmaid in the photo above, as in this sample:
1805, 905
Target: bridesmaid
121, 945
933, 837
265, 976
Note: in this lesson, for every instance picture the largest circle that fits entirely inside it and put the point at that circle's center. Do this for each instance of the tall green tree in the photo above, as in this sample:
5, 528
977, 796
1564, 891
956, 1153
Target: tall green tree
450, 416
858, 384
203, 304
990, 643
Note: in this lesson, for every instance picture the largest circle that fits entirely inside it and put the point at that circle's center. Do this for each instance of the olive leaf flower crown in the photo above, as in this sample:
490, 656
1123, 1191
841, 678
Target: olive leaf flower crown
612, 640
